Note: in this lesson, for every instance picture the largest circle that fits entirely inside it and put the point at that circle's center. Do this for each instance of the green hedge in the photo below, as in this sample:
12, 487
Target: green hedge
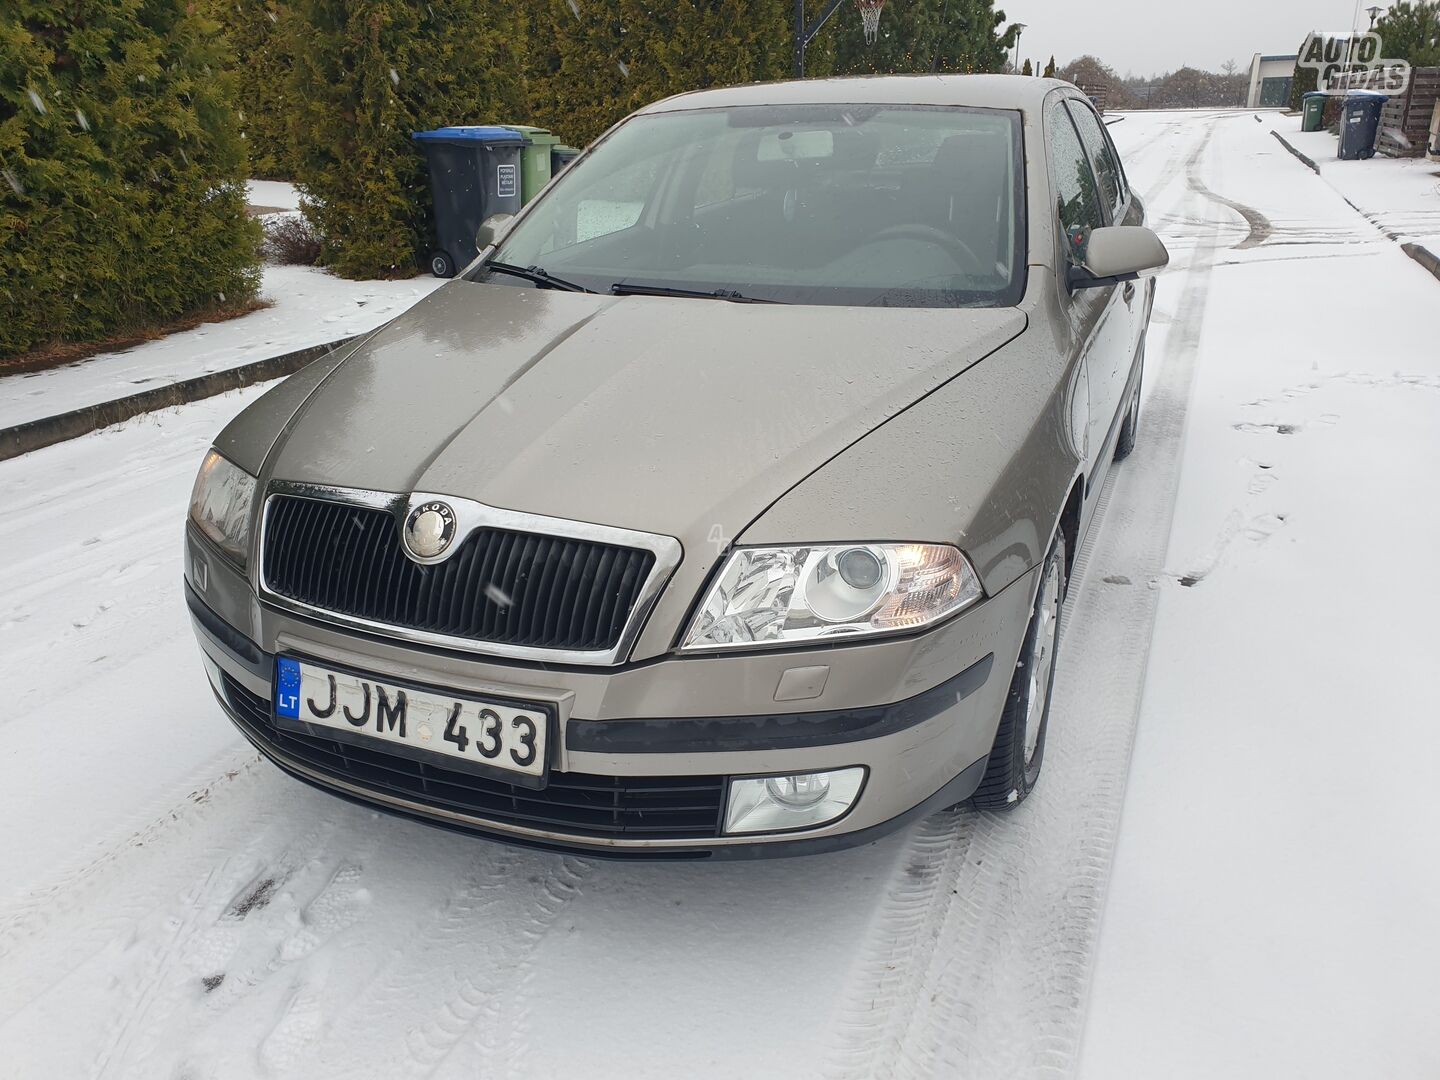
122, 200
256, 39
368, 73
363, 75
591, 63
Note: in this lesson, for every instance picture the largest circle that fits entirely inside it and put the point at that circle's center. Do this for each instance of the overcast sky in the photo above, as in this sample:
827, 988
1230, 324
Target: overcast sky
1148, 37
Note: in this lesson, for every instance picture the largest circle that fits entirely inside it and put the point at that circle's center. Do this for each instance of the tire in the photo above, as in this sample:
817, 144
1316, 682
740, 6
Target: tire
1130, 426
1019, 750
441, 265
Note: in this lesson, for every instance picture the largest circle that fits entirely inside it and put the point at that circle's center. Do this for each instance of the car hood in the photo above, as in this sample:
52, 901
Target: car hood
674, 416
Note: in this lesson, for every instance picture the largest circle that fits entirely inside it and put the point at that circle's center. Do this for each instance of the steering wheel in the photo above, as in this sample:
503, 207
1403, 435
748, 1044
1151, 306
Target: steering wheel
956, 247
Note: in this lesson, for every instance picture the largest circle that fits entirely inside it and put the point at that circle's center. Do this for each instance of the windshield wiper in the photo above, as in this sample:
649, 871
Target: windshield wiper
538, 276
623, 288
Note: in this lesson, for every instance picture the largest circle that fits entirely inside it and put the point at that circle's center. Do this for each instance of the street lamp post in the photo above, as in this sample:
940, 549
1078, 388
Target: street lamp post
1374, 13
1019, 29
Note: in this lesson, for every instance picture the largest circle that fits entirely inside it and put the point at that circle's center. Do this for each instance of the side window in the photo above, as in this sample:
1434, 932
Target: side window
1092, 134
1119, 165
1077, 194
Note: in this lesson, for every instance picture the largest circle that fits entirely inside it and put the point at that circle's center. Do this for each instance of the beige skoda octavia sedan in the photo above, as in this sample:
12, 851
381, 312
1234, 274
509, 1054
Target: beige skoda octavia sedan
725, 505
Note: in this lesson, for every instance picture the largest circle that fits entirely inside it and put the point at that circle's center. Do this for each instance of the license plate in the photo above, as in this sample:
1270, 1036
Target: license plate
476, 734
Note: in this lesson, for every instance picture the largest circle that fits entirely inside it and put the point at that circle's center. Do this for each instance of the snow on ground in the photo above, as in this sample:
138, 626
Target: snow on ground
93, 634
1401, 195
1268, 914
272, 194
1270, 908
310, 307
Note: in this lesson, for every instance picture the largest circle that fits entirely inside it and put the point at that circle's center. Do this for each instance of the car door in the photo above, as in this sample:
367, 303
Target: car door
1121, 210
1099, 322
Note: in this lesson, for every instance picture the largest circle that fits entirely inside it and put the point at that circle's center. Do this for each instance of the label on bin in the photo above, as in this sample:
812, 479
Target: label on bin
505, 181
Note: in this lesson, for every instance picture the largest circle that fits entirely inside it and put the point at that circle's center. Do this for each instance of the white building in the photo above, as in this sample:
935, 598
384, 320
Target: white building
1270, 81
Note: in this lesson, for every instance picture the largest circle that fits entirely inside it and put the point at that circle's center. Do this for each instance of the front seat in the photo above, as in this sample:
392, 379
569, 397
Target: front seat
966, 192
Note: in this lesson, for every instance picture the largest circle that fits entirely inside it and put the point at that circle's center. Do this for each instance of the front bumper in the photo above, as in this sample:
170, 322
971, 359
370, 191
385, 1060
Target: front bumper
922, 752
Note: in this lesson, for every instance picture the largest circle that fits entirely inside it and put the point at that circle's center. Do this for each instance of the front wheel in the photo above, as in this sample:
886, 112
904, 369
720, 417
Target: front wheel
1014, 764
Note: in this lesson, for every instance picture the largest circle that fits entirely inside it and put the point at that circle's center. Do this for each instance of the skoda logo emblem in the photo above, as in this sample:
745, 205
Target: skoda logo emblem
429, 530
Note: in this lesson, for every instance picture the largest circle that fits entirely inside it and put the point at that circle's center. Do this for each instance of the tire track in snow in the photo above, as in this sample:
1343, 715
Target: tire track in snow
127, 938
978, 962
493, 1006
233, 890
460, 984
26, 918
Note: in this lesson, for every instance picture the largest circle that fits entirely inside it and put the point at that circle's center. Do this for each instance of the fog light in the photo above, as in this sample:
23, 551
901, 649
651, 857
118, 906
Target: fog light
798, 792
796, 801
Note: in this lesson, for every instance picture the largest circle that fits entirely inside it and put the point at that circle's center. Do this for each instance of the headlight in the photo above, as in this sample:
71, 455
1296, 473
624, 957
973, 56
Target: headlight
767, 596
220, 505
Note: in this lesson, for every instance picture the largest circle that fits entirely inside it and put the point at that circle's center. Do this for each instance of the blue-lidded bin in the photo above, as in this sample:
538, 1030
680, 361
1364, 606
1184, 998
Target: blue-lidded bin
474, 174
1360, 124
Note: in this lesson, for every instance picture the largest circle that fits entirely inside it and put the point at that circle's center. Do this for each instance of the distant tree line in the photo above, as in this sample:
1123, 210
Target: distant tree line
1185, 88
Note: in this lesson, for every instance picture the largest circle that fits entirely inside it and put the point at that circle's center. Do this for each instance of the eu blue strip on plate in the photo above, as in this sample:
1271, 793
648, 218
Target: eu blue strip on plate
287, 688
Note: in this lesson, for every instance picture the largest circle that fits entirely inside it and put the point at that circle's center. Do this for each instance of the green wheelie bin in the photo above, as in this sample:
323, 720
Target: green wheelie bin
560, 156
534, 159
1312, 109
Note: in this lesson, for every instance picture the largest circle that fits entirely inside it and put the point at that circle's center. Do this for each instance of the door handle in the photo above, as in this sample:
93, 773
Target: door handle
1129, 291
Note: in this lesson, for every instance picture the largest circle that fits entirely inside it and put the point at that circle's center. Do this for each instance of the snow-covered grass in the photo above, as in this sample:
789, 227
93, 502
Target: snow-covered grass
309, 307
1401, 195
272, 194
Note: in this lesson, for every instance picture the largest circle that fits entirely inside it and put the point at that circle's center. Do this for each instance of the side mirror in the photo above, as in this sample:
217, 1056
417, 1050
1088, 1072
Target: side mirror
492, 230
1118, 253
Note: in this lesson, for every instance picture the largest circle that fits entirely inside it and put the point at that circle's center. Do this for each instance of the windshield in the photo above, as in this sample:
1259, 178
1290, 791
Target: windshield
901, 206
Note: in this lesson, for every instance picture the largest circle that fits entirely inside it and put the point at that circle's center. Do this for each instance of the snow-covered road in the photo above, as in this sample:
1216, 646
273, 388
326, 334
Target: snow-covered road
171, 907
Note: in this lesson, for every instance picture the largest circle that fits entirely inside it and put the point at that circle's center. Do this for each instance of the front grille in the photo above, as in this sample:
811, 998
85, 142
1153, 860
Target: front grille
638, 807
508, 588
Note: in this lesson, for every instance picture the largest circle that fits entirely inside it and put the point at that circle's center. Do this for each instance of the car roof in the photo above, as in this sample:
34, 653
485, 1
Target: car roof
1022, 92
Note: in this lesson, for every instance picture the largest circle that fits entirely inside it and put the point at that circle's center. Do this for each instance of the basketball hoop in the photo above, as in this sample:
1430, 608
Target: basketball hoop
870, 18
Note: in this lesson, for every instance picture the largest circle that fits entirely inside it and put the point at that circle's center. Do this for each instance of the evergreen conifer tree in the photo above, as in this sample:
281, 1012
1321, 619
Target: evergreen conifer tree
122, 195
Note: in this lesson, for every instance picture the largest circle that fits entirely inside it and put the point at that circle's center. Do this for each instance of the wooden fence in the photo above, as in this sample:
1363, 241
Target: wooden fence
1405, 121
1100, 96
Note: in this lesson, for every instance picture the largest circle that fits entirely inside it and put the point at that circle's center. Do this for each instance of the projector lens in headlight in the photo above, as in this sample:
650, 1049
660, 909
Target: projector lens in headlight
843, 586
860, 568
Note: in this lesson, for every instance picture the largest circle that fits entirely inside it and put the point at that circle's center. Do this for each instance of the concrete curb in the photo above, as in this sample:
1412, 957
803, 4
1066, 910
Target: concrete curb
49, 430
1424, 256
1304, 158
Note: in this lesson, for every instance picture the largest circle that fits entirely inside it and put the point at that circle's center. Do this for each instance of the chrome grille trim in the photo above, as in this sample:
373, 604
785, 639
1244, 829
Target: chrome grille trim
470, 516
